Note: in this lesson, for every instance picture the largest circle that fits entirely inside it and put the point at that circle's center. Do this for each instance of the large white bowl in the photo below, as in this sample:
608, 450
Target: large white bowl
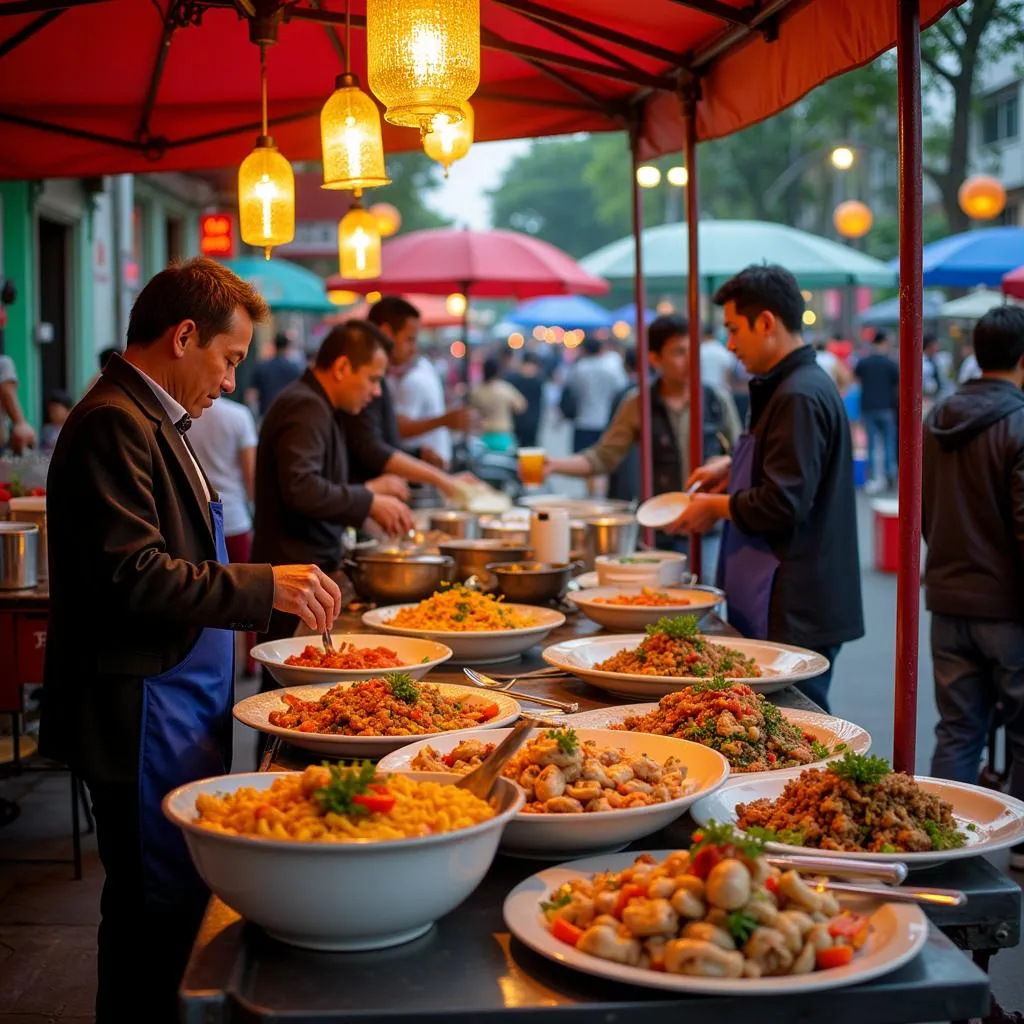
418, 658
486, 647
339, 896
780, 664
628, 618
255, 712
642, 569
560, 835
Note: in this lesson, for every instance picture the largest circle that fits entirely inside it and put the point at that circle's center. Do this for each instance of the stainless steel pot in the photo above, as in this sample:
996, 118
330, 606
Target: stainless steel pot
533, 582
398, 578
612, 535
19, 556
33, 510
472, 556
458, 525
511, 532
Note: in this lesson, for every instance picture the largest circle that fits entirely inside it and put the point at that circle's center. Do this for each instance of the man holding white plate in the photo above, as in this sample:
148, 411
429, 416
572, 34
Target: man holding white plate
789, 563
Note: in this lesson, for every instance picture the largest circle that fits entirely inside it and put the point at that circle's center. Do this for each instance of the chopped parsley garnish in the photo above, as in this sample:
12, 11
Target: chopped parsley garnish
819, 751
717, 683
346, 783
887, 848
681, 627
402, 687
865, 768
787, 836
567, 740
943, 837
561, 897
971, 827
723, 834
740, 926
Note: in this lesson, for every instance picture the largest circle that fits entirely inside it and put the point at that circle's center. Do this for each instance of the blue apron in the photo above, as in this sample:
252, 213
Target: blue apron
186, 735
746, 565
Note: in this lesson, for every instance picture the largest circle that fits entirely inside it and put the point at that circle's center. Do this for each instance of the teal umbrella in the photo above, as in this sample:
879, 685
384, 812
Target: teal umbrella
286, 286
727, 246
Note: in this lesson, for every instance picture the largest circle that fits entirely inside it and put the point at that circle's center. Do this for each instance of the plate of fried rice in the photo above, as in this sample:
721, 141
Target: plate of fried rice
672, 653
479, 628
370, 718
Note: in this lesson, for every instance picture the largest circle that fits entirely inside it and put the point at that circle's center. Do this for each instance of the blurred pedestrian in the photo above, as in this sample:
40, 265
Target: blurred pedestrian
497, 402
717, 363
879, 378
15, 431
272, 376
528, 380
58, 407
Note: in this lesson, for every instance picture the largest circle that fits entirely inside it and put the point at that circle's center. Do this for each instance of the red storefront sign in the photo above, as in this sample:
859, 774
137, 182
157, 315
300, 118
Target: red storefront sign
217, 235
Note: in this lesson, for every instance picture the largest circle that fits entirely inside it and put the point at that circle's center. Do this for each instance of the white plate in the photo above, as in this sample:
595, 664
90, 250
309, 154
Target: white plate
255, 711
629, 618
662, 509
555, 836
780, 664
826, 729
481, 647
418, 658
587, 580
898, 933
998, 819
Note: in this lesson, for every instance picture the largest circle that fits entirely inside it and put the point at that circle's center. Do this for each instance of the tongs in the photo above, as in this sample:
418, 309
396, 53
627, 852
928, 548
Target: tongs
328, 641
490, 683
838, 867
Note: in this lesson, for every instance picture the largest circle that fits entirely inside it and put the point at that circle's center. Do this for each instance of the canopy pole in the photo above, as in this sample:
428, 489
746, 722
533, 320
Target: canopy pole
693, 303
908, 579
640, 296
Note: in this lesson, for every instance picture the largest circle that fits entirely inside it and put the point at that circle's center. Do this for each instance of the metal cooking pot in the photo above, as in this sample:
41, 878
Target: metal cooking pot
398, 578
33, 510
458, 525
612, 535
472, 556
533, 582
510, 531
19, 556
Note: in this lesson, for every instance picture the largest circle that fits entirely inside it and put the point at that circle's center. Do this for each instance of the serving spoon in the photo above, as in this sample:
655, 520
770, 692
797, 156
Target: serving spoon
480, 781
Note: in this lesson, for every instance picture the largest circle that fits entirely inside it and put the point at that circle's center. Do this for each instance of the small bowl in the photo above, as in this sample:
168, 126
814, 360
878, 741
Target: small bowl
340, 896
533, 582
643, 569
472, 556
398, 578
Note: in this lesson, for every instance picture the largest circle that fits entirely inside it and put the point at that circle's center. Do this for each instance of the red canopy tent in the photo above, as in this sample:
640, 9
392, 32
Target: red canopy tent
91, 87
1013, 283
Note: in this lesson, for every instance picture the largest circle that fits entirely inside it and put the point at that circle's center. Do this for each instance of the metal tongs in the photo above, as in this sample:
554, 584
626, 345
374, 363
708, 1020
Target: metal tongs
328, 641
480, 781
487, 683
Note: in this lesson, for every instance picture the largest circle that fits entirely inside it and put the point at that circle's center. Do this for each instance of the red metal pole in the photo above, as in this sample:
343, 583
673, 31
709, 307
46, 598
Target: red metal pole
640, 295
693, 305
908, 578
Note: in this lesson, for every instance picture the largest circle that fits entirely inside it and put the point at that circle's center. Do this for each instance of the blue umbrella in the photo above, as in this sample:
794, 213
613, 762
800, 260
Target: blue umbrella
628, 314
569, 311
887, 312
973, 257
286, 286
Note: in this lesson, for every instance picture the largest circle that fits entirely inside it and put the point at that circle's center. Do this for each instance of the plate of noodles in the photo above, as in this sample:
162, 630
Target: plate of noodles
479, 628
673, 653
302, 659
372, 717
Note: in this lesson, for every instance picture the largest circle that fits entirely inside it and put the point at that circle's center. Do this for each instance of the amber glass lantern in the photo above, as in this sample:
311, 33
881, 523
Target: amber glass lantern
266, 197
447, 142
852, 219
389, 219
353, 152
422, 58
982, 197
358, 245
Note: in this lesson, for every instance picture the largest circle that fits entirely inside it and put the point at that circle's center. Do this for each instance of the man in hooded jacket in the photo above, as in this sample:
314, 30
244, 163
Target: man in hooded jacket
973, 523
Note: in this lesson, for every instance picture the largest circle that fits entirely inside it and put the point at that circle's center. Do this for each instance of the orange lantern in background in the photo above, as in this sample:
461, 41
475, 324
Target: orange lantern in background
389, 220
852, 219
982, 197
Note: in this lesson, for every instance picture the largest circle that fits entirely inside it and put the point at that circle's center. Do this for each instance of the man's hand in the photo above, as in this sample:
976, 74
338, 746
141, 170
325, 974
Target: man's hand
460, 419
308, 592
451, 486
432, 458
22, 436
701, 513
389, 484
392, 515
713, 476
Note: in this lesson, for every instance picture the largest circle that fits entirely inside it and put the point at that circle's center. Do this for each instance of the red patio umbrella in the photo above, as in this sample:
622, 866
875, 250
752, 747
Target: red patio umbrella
433, 312
484, 264
1013, 283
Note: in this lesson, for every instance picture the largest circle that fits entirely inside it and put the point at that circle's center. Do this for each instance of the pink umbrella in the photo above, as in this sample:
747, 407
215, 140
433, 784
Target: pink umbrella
1013, 283
483, 264
433, 312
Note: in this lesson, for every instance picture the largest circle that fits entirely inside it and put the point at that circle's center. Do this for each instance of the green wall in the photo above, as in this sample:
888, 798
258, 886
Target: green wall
19, 264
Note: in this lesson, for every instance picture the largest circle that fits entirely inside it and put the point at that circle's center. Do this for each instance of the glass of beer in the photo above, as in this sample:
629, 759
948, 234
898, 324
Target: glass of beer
531, 466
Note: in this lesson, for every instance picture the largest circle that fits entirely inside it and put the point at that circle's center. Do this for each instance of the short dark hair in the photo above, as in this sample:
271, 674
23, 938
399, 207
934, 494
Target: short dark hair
880, 338
199, 289
929, 338
591, 345
532, 358
999, 338
357, 340
281, 341
765, 287
392, 310
662, 328
492, 367
60, 397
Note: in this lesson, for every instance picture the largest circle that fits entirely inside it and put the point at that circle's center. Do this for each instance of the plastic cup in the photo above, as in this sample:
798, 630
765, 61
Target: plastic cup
531, 466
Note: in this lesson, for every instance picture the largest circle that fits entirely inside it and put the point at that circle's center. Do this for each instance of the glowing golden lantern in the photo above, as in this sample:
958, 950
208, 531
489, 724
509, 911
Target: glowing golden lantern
340, 297
982, 197
422, 58
447, 142
353, 152
456, 304
358, 245
852, 219
389, 220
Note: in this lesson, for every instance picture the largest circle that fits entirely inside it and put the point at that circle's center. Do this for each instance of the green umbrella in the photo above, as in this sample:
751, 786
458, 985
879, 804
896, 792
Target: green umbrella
727, 246
286, 286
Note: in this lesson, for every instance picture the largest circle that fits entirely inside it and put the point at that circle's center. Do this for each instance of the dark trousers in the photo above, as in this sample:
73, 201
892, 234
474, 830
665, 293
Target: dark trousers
145, 936
817, 688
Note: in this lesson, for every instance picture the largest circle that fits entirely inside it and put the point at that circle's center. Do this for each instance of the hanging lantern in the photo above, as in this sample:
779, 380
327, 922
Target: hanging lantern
447, 142
353, 152
852, 219
358, 245
266, 197
389, 220
982, 197
422, 58
340, 297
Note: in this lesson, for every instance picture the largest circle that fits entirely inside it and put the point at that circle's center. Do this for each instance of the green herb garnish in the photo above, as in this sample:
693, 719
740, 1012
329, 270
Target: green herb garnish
865, 768
567, 740
943, 837
345, 783
724, 834
887, 848
561, 897
740, 926
819, 751
971, 827
786, 836
402, 687
681, 627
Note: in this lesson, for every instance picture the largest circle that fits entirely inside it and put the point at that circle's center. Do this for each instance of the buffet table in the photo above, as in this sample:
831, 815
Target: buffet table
468, 967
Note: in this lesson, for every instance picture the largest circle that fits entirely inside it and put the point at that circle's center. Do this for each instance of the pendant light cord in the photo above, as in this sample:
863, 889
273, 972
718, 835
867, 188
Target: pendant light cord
263, 85
348, 37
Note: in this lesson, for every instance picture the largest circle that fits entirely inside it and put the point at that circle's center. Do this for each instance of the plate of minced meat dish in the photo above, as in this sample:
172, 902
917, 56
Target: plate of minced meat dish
372, 717
859, 808
750, 732
298, 660
628, 609
673, 653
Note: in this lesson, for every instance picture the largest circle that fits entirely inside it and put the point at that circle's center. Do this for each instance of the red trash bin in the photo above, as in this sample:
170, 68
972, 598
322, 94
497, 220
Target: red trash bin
887, 534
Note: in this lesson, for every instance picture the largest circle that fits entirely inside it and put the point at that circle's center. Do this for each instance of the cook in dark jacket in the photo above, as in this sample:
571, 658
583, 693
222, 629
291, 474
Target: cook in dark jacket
789, 561
973, 523
139, 666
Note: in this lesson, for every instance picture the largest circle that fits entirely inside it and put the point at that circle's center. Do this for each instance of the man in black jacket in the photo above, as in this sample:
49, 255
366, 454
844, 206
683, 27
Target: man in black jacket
973, 523
789, 560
